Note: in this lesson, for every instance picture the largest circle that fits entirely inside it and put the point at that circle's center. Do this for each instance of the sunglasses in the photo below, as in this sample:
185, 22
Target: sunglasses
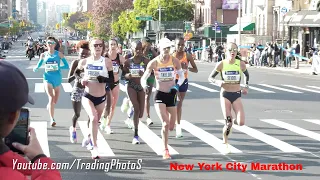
233, 49
98, 45
51, 42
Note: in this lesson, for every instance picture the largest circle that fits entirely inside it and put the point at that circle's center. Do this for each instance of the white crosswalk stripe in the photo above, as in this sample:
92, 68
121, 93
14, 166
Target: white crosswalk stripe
315, 87
155, 142
293, 128
279, 88
304, 89
67, 87
283, 146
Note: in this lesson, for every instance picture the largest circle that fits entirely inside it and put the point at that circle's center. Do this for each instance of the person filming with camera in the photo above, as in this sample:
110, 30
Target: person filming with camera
16, 135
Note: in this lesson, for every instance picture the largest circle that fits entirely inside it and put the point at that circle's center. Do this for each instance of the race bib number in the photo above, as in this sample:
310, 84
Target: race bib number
166, 74
115, 67
135, 70
232, 76
94, 71
51, 66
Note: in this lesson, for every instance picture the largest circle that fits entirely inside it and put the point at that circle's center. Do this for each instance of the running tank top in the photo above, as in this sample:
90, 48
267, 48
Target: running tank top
115, 63
184, 65
136, 68
231, 73
95, 69
52, 62
165, 72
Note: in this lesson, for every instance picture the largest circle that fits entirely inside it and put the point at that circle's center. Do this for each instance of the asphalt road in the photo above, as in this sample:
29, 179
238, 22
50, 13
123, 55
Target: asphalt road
281, 126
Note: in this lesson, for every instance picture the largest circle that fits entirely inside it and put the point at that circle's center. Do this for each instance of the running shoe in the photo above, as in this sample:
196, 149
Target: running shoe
95, 153
103, 124
149, 122
73, 135
129, 123
136, 140
108, 130
87, 143
178, 131
166, 154
125, 105
53, 123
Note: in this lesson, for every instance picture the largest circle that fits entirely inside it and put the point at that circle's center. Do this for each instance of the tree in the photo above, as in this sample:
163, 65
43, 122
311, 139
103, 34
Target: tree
73, 18
173, 10
105, 12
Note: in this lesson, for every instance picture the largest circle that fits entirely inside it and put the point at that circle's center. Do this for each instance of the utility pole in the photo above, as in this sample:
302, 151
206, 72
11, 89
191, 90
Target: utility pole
239, 22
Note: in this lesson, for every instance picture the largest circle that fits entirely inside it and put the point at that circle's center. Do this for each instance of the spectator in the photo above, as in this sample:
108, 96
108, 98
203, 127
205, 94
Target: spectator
14, 94
297, 52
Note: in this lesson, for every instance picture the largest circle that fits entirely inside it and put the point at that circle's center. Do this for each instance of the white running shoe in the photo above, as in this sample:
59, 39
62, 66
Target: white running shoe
149, 122
108, 130
136, 140
125, 105
178, 131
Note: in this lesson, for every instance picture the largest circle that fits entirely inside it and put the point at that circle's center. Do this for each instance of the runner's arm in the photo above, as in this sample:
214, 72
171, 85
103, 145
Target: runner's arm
215, 72
40, 62
193, 64
71, 74
65, 62
146, 74
122, 60
179, 71
110, 77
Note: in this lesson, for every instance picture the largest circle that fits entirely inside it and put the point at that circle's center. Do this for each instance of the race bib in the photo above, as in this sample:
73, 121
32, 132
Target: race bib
135, 70
166, 74
51, 66
232, 76
115, 67
93, 71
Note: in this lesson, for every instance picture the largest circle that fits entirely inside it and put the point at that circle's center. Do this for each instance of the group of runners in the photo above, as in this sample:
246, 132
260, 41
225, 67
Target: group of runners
96, 75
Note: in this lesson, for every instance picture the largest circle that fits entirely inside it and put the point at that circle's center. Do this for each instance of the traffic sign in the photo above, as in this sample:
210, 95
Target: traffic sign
144, 18
187, 25
188, 36
284, 10
218, 30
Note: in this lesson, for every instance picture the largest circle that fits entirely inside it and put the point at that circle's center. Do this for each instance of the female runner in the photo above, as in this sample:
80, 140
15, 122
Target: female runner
78, 89
165, 68
97, 72
149, 52
117, 61
52, 77
231, 70
184, 59
133, 69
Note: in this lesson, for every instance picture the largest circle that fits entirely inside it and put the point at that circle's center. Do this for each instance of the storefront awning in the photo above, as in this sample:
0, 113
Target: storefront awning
305, 19
245, 26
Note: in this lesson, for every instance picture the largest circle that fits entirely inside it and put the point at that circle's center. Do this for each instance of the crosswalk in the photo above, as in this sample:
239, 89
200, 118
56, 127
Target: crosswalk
211, 88
154, 142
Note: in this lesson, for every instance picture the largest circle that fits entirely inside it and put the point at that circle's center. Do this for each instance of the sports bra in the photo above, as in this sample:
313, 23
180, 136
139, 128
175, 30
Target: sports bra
165, 72
115, 63
231, 73
96, 68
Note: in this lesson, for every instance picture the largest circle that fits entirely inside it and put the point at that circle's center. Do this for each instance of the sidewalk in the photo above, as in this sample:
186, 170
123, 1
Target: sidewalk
303, 68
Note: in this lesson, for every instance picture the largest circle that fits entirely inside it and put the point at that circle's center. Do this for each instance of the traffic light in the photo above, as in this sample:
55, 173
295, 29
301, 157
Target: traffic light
65, 15
57, 26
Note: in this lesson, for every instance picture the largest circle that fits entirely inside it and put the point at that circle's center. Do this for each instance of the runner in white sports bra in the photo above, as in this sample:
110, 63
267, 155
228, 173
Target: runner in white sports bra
97, 72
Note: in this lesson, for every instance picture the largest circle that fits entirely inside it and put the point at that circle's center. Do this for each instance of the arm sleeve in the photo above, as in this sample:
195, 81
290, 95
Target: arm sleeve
246, 73
181, 77
65, 64
40, 62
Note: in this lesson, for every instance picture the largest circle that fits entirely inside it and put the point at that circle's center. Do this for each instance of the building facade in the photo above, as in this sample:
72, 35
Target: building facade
4, 10
302, 24
42, 13
22, 10
84, 5
33, 13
